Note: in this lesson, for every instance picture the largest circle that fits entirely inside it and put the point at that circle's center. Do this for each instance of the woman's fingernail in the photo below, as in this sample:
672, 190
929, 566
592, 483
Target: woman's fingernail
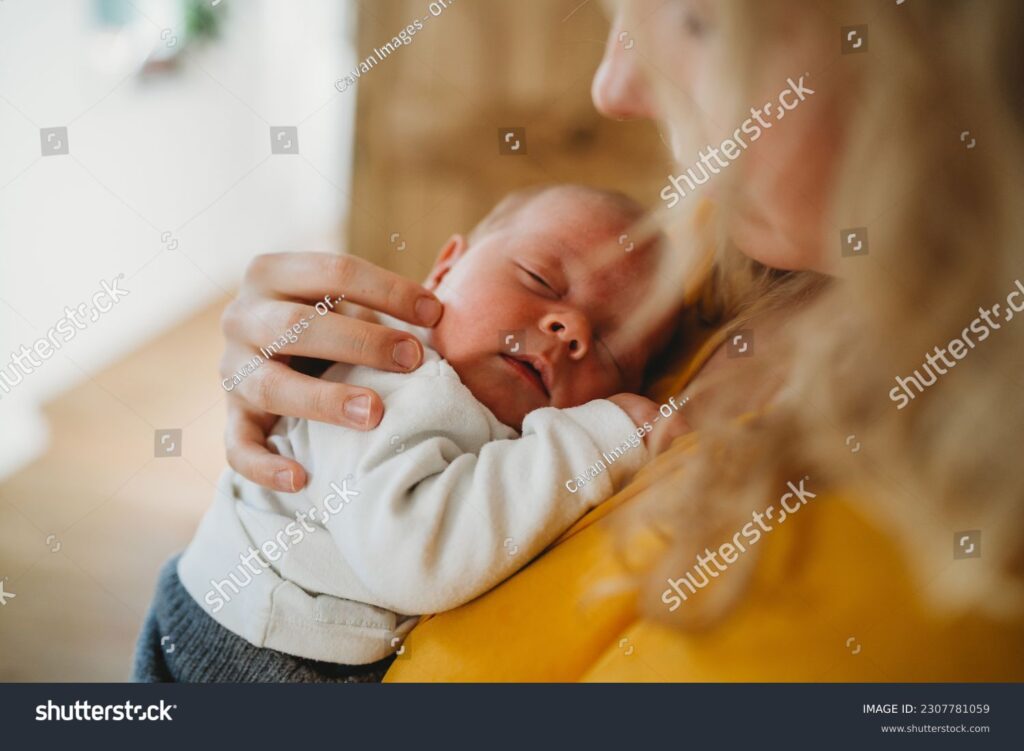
285, 480
406, 354
428, 310
357, 409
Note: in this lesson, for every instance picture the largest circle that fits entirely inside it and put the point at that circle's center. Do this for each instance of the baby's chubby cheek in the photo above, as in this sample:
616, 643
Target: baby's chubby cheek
453, 334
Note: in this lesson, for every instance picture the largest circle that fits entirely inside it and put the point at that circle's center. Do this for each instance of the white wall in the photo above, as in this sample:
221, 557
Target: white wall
186, 152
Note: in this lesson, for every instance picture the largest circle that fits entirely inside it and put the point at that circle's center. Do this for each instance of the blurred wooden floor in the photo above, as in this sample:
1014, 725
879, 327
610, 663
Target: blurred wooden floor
116, 512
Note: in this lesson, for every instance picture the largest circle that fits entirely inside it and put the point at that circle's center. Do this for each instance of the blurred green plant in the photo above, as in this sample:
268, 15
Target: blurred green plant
203, 22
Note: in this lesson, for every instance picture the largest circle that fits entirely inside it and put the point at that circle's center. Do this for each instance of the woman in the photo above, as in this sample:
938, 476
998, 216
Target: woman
868, 225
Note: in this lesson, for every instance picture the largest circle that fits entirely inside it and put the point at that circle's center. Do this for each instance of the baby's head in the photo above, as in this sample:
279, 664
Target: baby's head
539, 301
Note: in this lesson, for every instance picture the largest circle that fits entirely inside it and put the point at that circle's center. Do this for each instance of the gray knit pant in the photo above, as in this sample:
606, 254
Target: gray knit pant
197, 649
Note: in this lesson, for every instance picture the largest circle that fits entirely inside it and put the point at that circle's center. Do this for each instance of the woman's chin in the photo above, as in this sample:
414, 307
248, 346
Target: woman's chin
765, 243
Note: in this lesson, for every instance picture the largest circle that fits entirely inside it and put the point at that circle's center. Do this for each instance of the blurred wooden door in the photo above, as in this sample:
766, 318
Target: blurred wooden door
427, 160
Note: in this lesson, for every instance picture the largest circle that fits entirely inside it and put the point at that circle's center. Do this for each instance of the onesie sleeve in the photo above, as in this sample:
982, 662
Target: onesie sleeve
440, 511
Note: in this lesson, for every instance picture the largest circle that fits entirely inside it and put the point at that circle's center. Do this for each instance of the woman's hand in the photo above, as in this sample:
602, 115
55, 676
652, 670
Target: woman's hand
277, 297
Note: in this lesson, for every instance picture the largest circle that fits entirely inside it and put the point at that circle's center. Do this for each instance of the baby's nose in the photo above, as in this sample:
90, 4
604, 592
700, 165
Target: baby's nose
572, 329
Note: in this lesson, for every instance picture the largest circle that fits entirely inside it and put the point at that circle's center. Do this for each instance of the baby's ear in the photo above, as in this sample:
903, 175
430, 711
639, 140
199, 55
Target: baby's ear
451, 252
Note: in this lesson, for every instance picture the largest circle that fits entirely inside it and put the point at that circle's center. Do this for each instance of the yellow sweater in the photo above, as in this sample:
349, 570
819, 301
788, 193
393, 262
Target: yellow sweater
831, 600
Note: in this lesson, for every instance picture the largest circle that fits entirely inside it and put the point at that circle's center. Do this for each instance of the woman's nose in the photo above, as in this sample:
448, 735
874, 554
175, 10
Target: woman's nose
572, 329
620, 89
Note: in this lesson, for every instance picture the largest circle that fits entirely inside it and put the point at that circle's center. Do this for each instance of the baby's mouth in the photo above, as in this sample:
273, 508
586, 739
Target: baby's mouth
529, 373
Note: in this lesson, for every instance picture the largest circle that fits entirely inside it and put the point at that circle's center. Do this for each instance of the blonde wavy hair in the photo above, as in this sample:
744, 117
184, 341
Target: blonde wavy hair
946, 231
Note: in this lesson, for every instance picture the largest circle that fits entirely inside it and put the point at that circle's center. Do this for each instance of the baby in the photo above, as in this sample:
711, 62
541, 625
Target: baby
465, 480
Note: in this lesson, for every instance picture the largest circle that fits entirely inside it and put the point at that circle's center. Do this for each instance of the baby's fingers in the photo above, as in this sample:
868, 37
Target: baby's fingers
666, 431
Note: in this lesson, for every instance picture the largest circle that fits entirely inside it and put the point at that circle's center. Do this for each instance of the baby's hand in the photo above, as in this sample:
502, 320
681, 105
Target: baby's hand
642, 410
639, 408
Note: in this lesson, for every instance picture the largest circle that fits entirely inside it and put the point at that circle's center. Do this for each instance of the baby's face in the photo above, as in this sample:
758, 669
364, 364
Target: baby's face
535, 311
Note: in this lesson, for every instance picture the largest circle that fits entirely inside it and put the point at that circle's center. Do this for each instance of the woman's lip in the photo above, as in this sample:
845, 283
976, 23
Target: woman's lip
528, 374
